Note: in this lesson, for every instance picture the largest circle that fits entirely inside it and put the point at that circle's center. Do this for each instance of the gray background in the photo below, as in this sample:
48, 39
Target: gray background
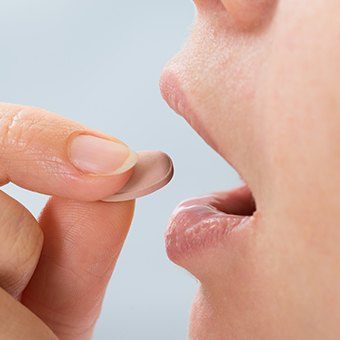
98, 62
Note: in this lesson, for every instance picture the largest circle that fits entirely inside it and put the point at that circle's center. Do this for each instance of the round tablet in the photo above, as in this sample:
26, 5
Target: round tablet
154, 170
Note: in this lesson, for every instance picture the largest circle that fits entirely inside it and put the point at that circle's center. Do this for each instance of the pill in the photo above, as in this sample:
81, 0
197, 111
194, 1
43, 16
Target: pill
153, 170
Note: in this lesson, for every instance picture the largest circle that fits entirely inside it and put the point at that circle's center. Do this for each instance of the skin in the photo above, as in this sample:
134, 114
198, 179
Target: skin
258, 80
54, 270
260, 85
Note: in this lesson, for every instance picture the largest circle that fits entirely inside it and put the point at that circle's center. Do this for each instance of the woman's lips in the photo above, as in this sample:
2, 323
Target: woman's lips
205, 222
202, 223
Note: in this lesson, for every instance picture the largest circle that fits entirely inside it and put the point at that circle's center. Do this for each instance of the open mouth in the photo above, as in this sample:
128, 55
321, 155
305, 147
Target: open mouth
209, 221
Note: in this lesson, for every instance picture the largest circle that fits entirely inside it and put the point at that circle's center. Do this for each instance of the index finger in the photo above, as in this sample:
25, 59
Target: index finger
46, 153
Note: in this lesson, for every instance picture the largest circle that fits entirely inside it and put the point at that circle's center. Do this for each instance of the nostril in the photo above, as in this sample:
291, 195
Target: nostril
250, 14
208, 4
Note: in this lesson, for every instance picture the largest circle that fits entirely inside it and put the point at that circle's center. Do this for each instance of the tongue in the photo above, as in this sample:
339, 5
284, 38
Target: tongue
239, 202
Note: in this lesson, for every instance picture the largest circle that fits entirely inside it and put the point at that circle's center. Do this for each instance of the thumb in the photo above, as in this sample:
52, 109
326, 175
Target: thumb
82, 243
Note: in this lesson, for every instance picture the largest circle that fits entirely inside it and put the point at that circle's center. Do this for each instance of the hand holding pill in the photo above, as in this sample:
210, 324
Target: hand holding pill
63, 260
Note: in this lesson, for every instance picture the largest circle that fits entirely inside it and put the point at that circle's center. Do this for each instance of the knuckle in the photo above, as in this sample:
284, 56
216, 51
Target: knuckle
16, 125
27, 239
21, 243
9, 120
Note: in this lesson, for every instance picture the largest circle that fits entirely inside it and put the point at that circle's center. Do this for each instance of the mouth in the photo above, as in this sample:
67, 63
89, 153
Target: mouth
212, 220
209, 221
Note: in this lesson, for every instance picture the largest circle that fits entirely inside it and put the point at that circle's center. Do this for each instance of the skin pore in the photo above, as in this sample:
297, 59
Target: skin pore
258, 80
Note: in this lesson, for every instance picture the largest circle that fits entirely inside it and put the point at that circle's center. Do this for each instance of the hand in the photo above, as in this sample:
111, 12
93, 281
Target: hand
53, 272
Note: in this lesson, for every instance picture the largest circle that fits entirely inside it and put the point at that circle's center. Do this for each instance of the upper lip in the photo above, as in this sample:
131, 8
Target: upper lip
173, 94
178, 100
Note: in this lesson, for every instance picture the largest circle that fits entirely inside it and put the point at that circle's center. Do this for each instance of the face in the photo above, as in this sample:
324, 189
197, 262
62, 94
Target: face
258, 80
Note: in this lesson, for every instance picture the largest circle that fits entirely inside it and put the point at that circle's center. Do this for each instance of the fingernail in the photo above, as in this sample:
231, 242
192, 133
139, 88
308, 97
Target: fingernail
99, 156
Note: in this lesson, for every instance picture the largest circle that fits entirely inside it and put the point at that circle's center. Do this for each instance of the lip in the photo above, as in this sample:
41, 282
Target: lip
206, 222
178, 100
209, 221
173, 94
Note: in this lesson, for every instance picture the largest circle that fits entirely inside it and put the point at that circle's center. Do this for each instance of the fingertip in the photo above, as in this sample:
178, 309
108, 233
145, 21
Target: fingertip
99, 155
56, 156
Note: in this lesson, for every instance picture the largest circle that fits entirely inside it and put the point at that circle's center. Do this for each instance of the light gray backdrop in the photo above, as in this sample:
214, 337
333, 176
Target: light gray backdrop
98, 62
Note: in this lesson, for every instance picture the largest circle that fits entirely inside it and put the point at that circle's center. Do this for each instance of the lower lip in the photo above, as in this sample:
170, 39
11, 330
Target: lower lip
197, 225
